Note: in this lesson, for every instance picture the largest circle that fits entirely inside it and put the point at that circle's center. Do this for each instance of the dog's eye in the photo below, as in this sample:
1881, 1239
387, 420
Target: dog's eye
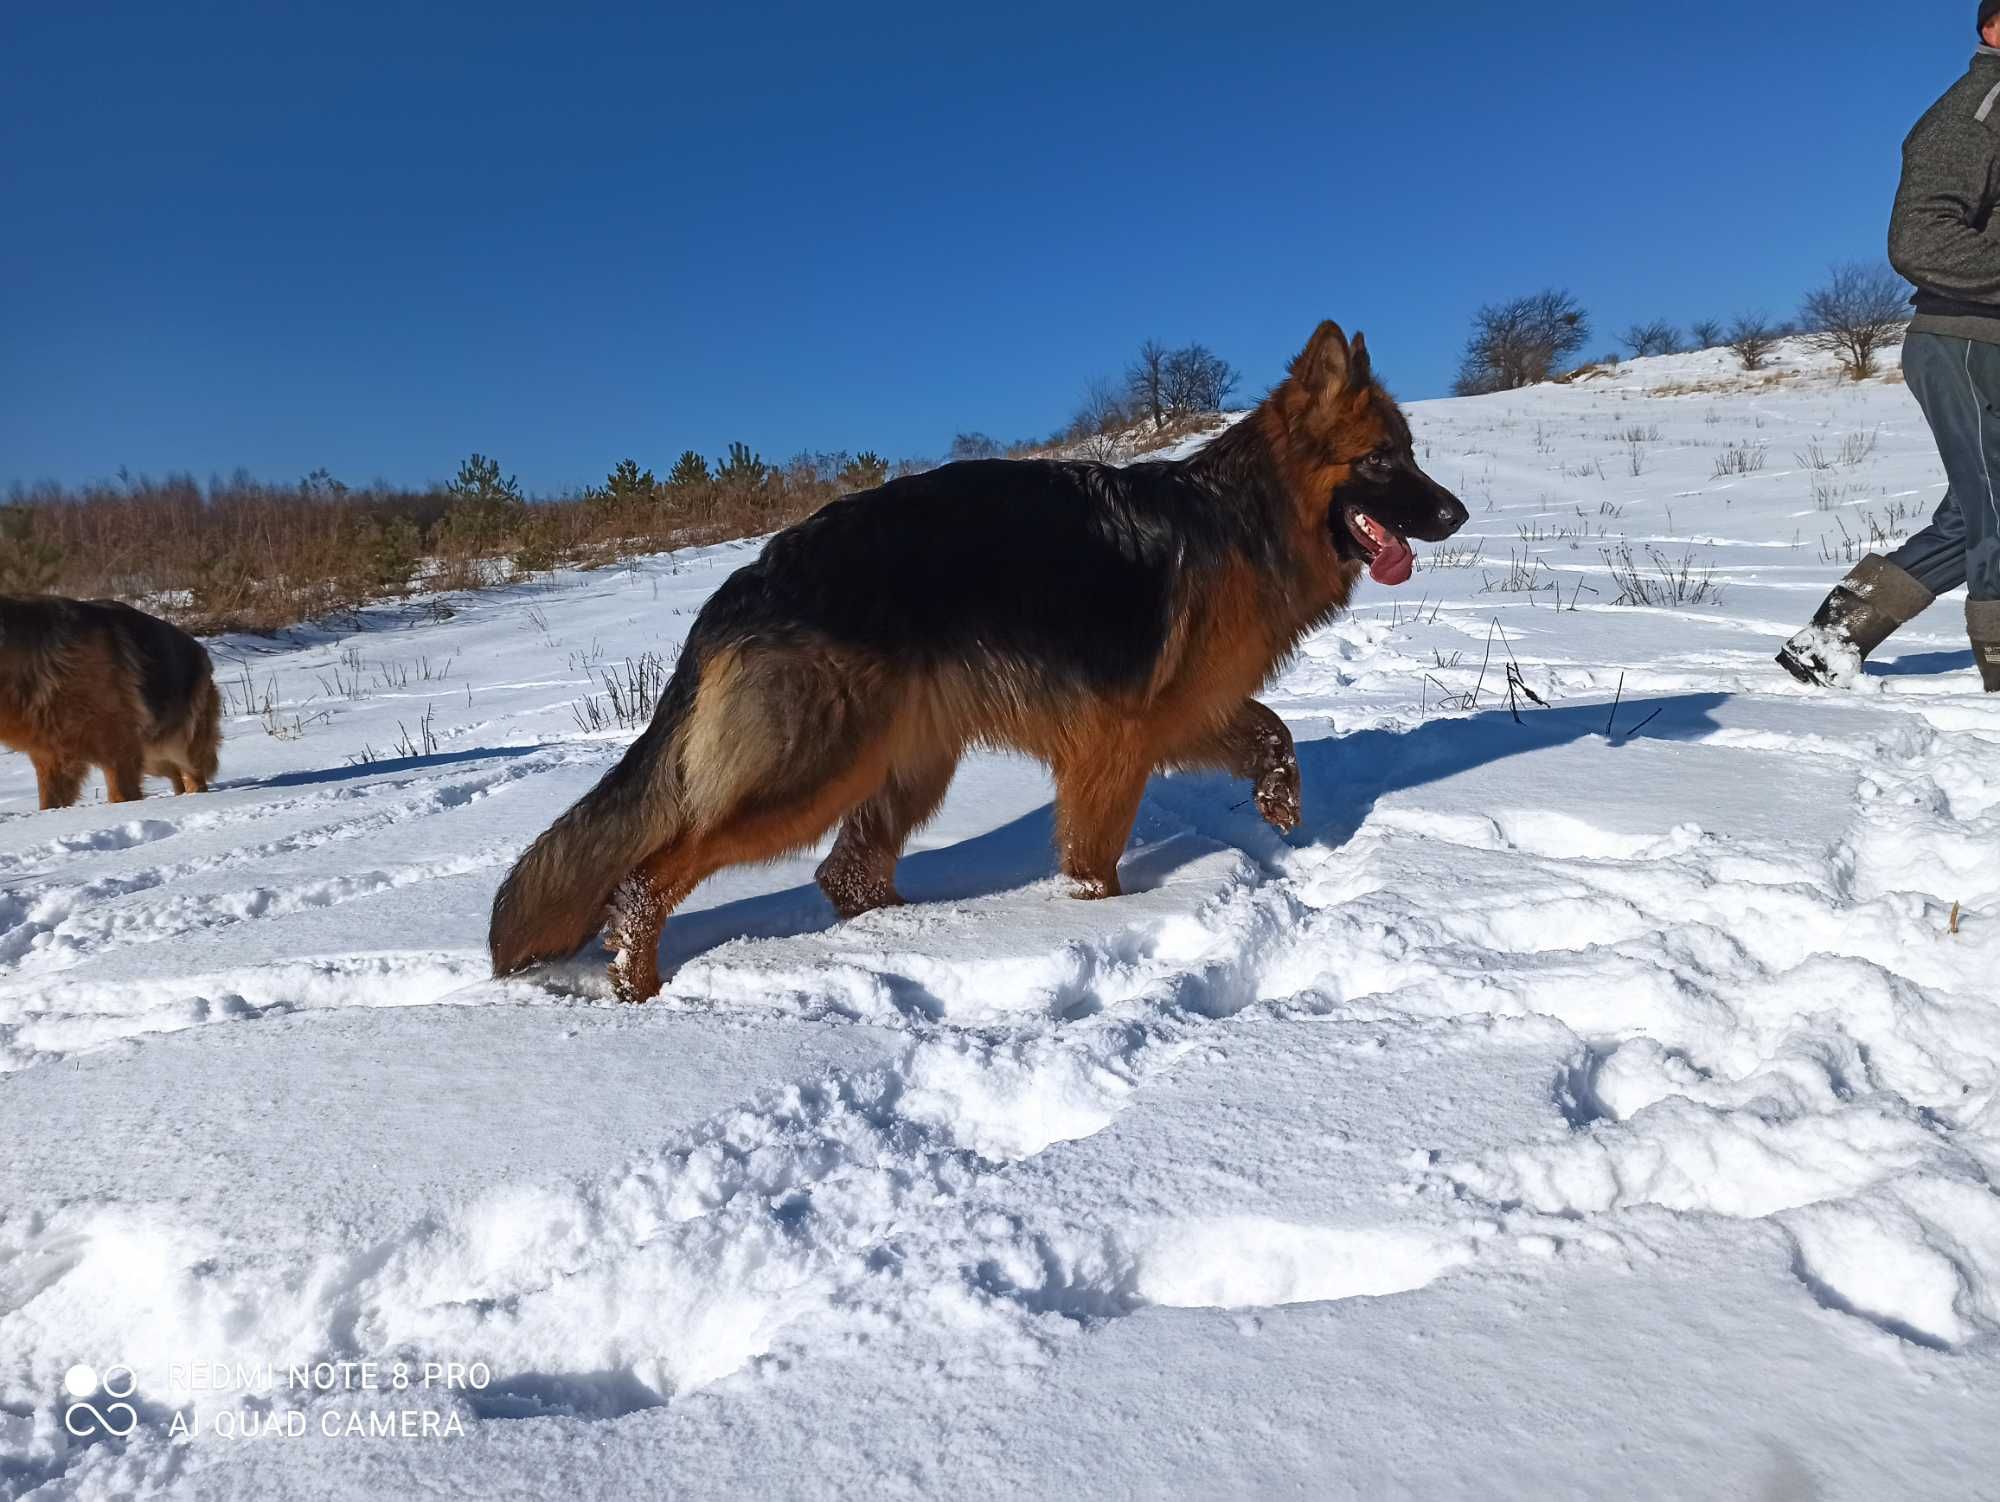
1375, 466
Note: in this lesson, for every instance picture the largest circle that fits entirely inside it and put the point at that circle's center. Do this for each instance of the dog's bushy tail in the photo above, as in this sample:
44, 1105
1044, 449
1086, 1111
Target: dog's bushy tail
555, 898
204, 735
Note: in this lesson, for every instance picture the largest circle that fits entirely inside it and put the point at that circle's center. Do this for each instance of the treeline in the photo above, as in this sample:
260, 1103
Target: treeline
243, 555
1860, 310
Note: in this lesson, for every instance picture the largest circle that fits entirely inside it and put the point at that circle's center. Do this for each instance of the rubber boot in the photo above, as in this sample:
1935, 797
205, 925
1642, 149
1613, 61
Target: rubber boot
1982, 624
1863, 611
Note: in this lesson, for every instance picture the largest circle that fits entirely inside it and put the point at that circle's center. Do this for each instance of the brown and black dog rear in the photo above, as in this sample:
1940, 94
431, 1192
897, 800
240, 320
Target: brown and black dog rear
1108, 621
93, 683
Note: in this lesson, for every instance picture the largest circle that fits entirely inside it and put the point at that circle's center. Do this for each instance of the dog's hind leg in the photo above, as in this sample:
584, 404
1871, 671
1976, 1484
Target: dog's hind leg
172, 764
778, 749
183, 773
124, 766
57, 783
859, 873
639, 910
1256, 745
642, 903
1098, 789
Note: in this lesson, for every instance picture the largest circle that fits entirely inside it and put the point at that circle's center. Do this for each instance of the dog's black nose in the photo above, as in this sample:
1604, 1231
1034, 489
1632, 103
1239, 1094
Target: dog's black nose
1452, 515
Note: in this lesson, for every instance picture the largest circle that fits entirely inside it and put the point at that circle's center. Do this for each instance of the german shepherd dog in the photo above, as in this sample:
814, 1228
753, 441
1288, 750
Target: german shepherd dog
88, 683
1108, 621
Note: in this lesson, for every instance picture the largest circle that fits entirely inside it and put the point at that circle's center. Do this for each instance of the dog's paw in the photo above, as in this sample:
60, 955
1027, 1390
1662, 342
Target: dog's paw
1278, 797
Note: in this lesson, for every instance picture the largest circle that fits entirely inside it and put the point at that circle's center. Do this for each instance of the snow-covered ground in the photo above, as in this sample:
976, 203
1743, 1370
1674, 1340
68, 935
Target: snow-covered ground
1595, 1102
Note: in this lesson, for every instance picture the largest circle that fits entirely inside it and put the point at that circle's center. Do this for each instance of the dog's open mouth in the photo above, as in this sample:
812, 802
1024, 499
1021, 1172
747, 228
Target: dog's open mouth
1390, 560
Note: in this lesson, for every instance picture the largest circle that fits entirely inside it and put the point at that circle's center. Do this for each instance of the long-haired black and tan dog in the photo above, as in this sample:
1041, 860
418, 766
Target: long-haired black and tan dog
92, 683
1109, 622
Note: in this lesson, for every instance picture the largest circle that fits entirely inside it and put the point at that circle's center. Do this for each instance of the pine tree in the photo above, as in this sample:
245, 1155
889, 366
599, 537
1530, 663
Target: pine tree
479, 481
320, 485
28, 565
484, 507
396, 550
864, 471
743, 470
689, 471
629, 483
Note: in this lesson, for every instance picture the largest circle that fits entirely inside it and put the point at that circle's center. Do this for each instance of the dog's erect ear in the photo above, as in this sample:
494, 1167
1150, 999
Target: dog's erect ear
1360, 371
1328, 363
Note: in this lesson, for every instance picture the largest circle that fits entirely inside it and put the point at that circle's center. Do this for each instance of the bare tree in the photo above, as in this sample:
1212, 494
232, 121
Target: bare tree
974, 446
1146, 381
1862, 309
1101, 410
1706, 333
1751, 339
1656, 338
1519, 343
1162, 383
1197, 380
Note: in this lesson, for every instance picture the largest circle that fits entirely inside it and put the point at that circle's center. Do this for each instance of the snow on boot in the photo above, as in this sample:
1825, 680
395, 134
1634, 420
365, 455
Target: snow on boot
1861, 613
1982, 624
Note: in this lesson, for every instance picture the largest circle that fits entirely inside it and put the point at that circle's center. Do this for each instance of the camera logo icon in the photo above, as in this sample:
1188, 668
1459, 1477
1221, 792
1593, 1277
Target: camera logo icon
83, 1418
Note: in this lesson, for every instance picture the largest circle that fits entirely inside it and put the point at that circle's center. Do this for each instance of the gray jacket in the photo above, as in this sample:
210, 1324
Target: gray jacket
1942, 235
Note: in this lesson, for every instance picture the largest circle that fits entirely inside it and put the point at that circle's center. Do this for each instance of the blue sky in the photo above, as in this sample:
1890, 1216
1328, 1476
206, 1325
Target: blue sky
376, 237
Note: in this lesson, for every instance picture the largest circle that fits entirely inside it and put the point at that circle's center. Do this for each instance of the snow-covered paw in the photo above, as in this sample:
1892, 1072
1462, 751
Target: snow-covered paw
1278, 795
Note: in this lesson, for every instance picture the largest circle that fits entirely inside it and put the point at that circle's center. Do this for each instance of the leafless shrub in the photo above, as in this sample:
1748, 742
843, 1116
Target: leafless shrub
1522, 342
1828, 493
424, 742
1706, 333
974, 446
1739, 459
1874, 533
1661, 581
630, 694
1855, 448
1751, 339
1656, 338
1525, 574
1862, 310
1466, 554
1100, 412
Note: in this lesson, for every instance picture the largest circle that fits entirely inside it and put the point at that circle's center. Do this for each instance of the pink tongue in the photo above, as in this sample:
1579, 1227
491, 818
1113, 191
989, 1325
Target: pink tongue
1393, 563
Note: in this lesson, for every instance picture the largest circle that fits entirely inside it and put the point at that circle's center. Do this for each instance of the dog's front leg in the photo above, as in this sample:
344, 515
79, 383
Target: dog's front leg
1256, 745
1097, 801
57, 783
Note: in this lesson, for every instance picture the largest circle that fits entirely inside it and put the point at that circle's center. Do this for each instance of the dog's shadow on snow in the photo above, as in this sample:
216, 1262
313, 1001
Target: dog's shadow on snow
1344, 778
1010, 856
381, 766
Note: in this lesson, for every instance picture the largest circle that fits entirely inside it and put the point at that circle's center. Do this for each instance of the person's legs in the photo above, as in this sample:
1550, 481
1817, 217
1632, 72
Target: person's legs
1961, 397
1948, 378
1957, 383
1935, 557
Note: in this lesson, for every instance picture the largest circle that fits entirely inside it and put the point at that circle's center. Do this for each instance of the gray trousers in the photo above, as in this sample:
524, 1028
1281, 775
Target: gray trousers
1957, 383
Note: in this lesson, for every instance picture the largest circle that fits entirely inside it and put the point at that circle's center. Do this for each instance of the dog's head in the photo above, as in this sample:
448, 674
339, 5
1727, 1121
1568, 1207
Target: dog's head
1349, 460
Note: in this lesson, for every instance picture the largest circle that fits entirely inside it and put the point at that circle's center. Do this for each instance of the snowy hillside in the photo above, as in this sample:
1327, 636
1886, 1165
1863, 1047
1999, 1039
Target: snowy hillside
1591, 1100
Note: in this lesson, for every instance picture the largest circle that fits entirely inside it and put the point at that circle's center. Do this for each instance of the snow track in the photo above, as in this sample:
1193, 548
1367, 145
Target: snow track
1595, 1101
